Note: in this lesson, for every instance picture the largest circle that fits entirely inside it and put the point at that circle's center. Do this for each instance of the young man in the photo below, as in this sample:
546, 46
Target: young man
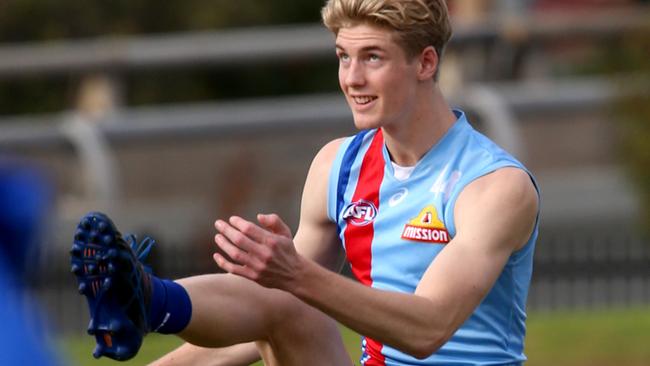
437, 222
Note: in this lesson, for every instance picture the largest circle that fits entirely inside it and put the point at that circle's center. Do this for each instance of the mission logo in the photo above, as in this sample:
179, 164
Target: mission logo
426, 227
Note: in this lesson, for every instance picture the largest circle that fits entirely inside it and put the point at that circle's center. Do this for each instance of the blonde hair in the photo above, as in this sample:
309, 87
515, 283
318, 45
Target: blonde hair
416, 24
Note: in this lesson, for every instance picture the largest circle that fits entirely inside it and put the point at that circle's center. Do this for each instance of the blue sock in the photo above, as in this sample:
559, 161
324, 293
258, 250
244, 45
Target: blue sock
170, 307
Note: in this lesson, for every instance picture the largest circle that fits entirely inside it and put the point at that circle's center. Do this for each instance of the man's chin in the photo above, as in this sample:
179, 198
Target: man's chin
364, 123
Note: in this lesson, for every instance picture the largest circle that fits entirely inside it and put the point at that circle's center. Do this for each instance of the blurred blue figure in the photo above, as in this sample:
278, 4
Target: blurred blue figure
24, 200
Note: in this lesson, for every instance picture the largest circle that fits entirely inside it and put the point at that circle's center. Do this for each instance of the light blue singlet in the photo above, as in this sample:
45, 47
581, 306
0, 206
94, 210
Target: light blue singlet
393, 229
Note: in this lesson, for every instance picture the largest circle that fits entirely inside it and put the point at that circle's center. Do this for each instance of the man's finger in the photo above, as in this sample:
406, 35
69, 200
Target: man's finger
236, 254
274, 223
233, 268
249, 229
235, 236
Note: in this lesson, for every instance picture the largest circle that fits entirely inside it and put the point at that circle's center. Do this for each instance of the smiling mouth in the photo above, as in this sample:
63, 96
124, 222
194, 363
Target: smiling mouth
362, 100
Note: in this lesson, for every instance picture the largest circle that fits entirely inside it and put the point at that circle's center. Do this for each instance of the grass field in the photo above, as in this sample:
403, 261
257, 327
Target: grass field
594, 338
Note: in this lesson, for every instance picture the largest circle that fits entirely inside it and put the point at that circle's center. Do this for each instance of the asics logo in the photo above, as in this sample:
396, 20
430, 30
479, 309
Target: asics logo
360, 213
398, 197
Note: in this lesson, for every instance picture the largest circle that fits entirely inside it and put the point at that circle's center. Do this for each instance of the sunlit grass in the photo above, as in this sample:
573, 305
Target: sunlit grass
568, 338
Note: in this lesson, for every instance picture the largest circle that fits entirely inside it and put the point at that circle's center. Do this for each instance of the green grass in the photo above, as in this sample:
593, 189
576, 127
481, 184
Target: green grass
79, 350
594, 338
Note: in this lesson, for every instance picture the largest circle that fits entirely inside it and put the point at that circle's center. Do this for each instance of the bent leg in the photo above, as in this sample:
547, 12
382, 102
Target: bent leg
188, 354
228, 310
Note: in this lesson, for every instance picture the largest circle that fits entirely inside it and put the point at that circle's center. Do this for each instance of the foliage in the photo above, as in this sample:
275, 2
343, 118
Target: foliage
30, 20
624, 55
632, 110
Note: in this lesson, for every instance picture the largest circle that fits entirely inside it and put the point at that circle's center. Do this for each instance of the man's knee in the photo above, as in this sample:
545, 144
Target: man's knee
294, 318
299, 332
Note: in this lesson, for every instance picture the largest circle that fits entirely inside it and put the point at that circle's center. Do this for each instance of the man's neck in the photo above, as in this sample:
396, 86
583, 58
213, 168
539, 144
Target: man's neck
410, 140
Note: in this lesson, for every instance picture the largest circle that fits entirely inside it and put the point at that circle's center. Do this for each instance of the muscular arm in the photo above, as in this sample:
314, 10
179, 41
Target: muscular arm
494, 217
316, 236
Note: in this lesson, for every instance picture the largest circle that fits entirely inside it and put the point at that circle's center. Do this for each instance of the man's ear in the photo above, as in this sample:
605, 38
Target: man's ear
427, 63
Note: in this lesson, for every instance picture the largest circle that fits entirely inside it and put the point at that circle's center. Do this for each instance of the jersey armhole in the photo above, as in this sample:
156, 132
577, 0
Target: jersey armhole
451, 227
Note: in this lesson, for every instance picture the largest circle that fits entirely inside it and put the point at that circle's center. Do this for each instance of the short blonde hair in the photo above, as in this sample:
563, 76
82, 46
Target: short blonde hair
416, 24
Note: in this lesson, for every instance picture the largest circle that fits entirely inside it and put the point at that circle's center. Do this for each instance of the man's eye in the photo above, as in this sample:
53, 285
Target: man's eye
343, 57
374, 58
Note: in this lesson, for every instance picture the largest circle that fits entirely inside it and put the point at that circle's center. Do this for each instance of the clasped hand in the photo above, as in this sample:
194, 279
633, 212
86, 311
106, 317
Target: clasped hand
262, 253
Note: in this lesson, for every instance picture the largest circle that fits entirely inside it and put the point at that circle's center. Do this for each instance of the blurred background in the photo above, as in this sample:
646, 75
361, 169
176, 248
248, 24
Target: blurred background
168, 115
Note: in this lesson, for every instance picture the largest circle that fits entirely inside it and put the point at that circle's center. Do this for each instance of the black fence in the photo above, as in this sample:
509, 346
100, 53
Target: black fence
583, 268
601, 266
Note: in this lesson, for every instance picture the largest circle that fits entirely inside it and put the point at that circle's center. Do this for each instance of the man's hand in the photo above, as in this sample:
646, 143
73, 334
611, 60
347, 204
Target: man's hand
262, 253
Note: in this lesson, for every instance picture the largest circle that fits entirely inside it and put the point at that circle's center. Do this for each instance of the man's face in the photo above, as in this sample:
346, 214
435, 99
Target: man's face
378, 81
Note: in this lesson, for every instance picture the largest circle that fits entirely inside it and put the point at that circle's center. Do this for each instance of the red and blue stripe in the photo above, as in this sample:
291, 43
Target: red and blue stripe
358, 239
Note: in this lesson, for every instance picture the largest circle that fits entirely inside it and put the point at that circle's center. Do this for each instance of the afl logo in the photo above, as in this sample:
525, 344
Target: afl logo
360, 213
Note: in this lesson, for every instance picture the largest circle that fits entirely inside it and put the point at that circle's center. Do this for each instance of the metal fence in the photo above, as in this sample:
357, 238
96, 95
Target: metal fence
574, 269
286, 43
580, 268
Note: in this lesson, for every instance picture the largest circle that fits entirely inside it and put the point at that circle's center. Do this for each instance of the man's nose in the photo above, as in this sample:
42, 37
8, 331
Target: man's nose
355, 74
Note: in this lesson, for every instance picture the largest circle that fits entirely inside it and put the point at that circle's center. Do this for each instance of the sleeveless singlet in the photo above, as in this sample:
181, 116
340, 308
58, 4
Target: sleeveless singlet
392, 229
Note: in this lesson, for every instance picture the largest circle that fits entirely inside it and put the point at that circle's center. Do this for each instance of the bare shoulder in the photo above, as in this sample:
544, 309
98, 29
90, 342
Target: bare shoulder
506, 199
326, 154
315, 190
511, 184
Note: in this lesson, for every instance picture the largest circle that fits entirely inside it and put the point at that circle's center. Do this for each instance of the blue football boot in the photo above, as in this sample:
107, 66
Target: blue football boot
116, 284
